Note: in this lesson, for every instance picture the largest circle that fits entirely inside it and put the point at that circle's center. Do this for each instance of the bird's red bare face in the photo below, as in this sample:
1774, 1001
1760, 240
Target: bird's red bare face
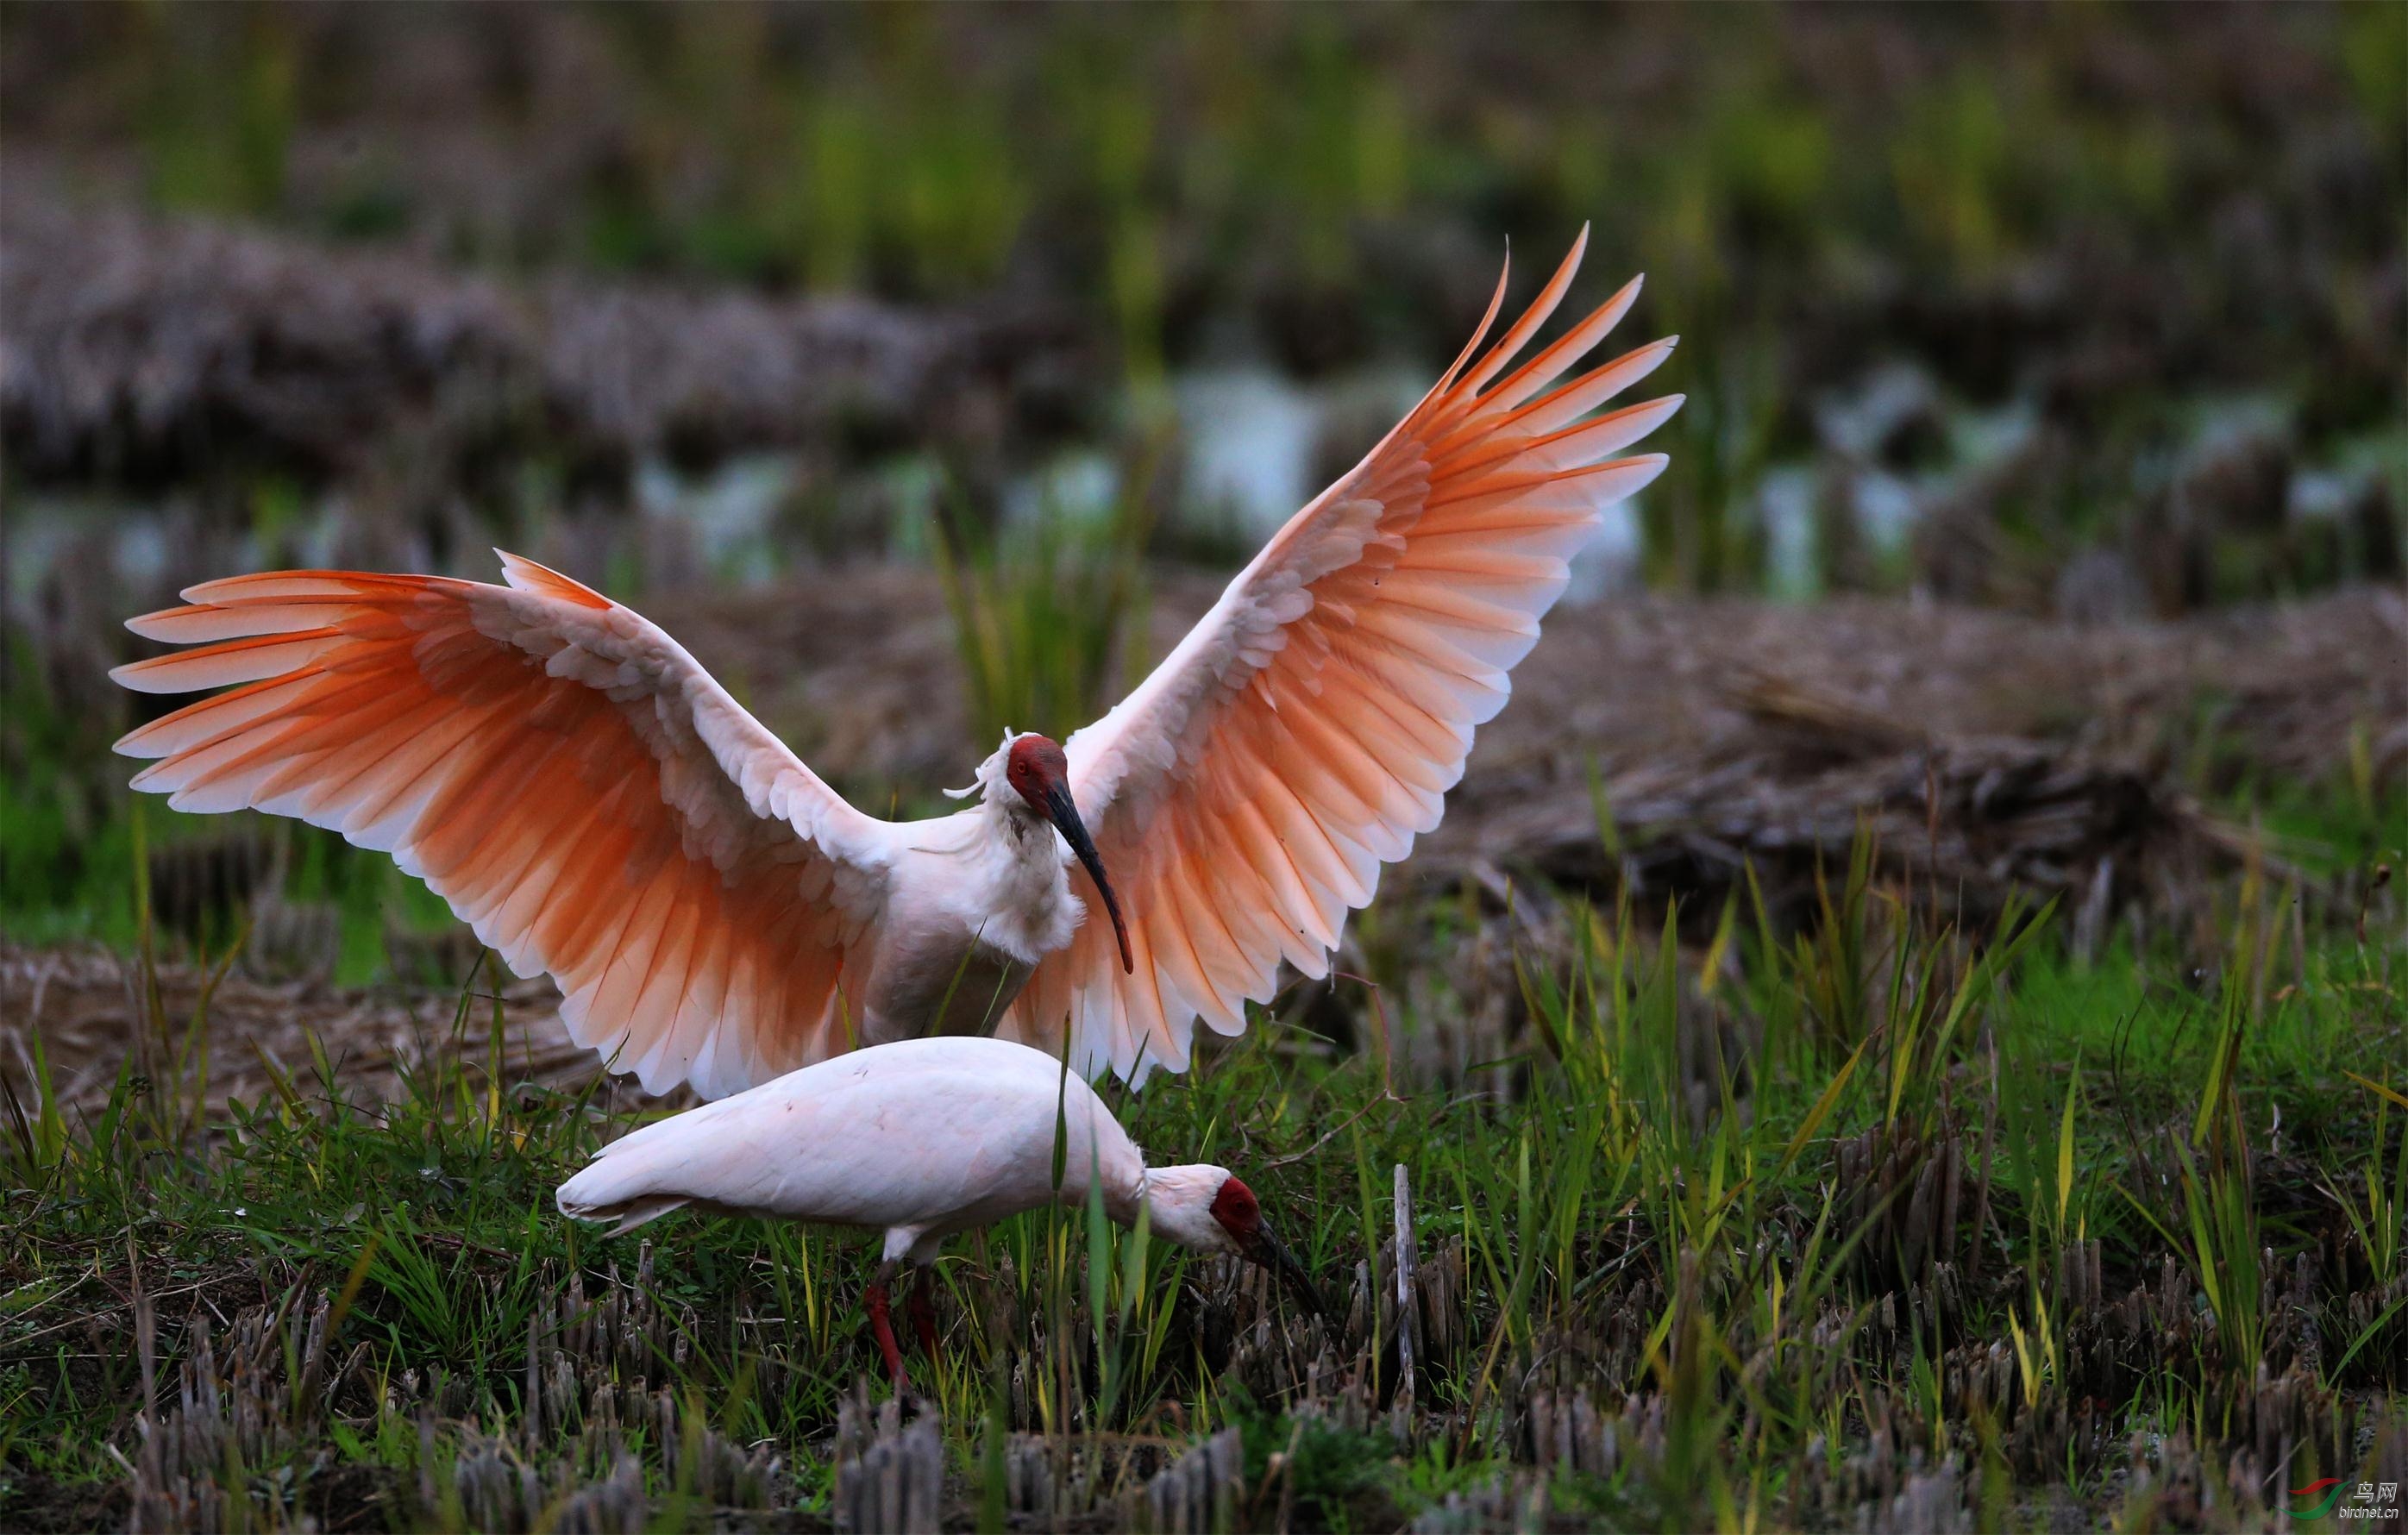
1239, 1211
1039, 773
1036, 767
1241, 1214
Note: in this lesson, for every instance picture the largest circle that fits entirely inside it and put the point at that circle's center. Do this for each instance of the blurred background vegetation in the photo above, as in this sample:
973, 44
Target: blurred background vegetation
2090, 311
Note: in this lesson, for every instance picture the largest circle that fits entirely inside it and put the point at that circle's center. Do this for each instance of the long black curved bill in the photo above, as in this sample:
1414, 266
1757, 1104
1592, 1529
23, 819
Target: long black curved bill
1063, 812
1274, 1255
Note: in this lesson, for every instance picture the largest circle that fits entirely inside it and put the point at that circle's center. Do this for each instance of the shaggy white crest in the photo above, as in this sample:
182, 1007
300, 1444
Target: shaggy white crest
990, 772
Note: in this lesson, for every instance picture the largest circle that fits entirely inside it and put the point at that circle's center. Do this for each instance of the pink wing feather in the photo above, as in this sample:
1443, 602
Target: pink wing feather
1245, 796
564, 774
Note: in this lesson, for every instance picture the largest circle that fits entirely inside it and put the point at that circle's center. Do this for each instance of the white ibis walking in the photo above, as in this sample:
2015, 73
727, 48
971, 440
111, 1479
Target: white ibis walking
920, 1139
584, 795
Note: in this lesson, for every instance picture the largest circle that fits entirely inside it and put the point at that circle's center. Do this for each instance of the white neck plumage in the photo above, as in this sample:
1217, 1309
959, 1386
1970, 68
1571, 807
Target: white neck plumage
1178, 1206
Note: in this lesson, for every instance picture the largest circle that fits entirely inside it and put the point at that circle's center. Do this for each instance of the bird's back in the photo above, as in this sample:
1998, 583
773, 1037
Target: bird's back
931, 1135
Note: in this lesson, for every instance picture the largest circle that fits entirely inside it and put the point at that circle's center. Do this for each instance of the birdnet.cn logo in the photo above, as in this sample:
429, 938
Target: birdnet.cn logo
2367, 1500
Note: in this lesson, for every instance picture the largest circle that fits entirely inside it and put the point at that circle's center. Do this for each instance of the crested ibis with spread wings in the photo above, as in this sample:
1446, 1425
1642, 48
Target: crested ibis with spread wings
598, 808
920, 1139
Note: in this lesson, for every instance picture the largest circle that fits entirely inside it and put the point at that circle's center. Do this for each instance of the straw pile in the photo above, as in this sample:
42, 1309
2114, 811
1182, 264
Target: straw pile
149, 351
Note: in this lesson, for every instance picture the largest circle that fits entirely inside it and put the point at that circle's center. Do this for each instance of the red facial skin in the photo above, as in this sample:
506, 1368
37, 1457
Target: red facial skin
1036, 766
1240, 1212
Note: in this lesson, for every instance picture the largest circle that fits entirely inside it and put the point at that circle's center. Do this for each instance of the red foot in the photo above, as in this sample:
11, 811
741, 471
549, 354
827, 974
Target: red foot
875, 1299
924, 1312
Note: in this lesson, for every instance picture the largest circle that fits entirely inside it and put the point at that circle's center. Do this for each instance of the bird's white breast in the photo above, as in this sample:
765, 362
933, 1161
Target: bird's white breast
978, 898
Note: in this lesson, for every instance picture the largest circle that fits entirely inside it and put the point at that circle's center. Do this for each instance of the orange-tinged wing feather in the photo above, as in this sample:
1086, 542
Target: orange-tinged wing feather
564, 774
1245, 796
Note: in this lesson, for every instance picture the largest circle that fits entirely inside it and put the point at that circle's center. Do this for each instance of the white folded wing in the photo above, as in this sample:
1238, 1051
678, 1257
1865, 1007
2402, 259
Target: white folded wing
561, 772
1245, 796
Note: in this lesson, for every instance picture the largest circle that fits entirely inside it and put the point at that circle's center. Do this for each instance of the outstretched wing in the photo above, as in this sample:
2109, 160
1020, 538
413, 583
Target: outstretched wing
564, 774
1245, 796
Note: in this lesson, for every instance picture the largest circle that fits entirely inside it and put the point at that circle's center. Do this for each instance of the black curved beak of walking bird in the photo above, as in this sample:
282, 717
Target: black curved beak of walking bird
1267, 1252
1063, 811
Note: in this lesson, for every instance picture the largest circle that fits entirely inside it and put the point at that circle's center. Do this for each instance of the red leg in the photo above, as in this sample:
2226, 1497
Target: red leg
924, 1312
874, 1299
